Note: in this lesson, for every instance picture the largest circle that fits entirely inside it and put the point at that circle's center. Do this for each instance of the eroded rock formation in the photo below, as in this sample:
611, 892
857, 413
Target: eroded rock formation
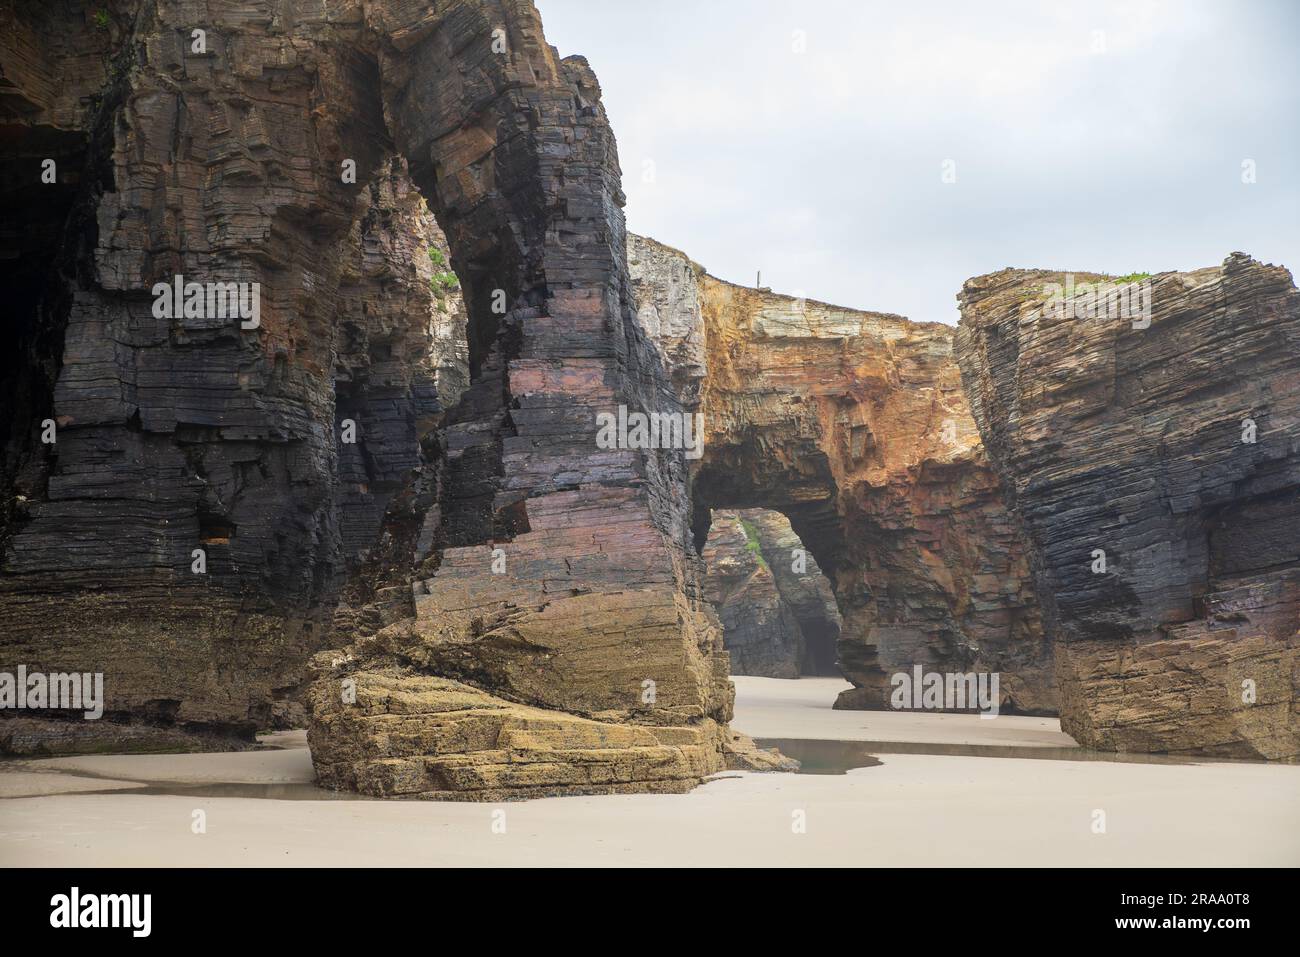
185, 433
854, 425
1155, 462
196, 506
224, 158
779, 617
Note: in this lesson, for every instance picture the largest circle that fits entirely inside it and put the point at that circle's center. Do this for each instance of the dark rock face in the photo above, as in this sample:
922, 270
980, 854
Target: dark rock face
185, 433
310, 456
777, 622
1167, 446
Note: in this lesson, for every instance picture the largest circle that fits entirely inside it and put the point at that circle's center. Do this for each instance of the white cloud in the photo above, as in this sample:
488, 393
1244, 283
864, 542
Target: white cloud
822, 168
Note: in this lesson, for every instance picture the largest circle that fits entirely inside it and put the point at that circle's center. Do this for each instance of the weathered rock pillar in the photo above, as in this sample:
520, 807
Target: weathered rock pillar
1151, 447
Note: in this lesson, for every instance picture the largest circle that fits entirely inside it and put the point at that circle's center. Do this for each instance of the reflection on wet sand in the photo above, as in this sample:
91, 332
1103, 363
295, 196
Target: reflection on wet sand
837, 757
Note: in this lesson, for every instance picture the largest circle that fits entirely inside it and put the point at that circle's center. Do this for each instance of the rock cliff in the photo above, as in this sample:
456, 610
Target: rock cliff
1153, 455
854, 425
779, 616
308, 456
179, 530
379, 500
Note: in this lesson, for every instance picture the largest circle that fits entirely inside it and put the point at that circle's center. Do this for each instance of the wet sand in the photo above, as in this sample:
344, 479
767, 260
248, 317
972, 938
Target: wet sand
908, 810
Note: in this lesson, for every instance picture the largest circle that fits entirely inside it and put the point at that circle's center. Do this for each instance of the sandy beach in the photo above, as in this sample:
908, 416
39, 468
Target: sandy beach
908, 810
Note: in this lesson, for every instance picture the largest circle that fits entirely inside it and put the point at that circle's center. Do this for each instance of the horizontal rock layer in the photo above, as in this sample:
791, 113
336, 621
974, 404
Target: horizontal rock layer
406, 735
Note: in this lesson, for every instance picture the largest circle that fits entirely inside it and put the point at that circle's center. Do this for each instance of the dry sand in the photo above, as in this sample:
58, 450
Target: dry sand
911, 810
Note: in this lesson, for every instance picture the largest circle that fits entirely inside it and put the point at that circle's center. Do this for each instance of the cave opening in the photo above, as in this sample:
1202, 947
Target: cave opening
777, 607
789, 508
40, 181
401, 367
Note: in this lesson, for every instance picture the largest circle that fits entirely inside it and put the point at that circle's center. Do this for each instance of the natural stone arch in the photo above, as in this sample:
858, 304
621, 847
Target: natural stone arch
594, 610
854, 425
231, 432
778, 611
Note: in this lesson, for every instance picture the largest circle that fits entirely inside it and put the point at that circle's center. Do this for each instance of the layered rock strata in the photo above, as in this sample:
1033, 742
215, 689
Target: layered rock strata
779, 617
180, 533
309, 454
1154, 459
196, 505
854, 425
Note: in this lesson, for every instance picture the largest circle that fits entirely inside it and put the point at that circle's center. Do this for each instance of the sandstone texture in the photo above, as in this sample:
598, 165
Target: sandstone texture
1169, 445
777, 622
408, 734
854, 425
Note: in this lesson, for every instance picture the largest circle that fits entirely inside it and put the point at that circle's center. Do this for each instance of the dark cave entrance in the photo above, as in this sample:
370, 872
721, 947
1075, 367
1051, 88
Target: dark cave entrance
790, 508
41, 175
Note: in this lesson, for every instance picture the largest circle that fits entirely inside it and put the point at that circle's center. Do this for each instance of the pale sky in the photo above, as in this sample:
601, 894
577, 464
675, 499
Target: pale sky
1117, 151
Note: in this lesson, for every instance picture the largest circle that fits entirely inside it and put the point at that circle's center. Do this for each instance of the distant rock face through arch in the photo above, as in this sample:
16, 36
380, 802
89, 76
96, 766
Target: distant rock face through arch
778, 612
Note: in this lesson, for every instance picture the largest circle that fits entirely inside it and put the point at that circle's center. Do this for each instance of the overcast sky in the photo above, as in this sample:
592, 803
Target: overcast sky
1117, 151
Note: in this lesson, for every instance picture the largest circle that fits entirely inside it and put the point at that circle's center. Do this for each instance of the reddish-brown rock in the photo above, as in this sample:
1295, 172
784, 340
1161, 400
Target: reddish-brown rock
855, 426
